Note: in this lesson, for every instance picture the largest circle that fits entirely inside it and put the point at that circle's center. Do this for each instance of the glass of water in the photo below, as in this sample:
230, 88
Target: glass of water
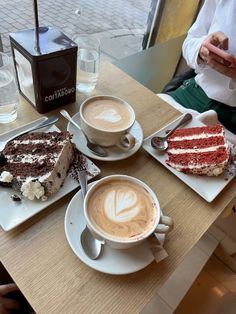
9, 95
87, 62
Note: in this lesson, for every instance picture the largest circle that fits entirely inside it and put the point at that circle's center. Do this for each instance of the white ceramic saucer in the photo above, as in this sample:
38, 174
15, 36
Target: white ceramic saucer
115, 262
114, 153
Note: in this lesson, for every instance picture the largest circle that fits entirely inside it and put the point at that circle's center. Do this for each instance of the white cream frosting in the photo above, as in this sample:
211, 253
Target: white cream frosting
29, 158
189, 166
35, 142
32, 189
6, 177
195, 136
177, 151
41, 186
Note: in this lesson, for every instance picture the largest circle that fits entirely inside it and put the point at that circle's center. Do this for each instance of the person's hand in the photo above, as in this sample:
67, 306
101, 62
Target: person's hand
217, 39
217, 63
7, 304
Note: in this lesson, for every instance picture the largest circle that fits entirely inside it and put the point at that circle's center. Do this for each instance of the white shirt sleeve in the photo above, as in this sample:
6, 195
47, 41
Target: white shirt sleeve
197, 33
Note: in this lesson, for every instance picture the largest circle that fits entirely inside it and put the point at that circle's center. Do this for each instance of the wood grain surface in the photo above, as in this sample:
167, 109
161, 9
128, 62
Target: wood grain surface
37, 254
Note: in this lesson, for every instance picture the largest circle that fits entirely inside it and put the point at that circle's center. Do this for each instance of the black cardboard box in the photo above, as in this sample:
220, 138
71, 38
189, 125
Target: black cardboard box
46, 69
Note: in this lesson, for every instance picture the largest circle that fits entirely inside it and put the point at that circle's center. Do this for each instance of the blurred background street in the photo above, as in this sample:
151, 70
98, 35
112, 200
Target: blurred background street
120, 25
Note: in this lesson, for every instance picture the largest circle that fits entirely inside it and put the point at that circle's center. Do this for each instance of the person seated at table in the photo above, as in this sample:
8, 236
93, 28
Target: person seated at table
214, 85
8, 304
11, 299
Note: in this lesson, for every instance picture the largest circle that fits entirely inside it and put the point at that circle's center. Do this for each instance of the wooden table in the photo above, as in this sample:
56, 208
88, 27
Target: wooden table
37, 254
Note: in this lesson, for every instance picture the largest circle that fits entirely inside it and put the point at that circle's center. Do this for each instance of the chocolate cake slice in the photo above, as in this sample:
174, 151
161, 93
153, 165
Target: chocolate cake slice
36, 164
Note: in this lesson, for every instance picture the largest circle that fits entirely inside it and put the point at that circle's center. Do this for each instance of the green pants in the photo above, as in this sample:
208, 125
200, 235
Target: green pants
190, 95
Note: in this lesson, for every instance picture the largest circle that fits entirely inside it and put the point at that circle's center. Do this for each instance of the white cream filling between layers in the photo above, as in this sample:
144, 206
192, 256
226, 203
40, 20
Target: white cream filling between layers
35, 142
195, 166
195, 136
213, 169
29, 158
50, 182
178, 151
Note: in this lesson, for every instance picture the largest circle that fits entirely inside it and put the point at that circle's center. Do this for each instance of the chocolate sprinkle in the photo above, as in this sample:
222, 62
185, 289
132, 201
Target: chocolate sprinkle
79, 163
3, 160
230, 170
16, 198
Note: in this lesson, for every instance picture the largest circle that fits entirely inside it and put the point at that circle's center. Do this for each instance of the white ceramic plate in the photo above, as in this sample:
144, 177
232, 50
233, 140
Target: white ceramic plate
114, 153
111, 261
206, 187
13, 213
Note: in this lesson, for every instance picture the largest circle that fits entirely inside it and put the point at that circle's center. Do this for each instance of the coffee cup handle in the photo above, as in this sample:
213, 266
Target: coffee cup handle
165, 225
127, 141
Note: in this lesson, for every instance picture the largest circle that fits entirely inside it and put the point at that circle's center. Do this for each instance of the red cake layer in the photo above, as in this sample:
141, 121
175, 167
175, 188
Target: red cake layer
198, 143
198, 150
211, 130
207, 158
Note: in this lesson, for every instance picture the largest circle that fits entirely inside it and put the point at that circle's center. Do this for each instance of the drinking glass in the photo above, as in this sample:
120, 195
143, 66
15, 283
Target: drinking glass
87, 62
9, 95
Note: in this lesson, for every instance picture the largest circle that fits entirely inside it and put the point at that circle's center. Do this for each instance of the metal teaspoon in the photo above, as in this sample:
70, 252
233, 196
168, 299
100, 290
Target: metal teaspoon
95, 148
91, 246
160, 142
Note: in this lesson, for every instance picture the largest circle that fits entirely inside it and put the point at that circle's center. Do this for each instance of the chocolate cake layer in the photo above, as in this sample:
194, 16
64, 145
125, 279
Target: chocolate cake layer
36, 164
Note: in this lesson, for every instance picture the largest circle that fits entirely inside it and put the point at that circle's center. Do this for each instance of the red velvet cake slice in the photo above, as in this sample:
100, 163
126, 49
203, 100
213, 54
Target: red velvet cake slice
198, 150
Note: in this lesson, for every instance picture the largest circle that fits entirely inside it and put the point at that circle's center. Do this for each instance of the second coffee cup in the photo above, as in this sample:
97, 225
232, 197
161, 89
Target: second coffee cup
123, 211
107, 120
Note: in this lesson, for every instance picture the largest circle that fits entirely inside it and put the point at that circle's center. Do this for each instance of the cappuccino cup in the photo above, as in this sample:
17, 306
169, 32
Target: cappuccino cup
106, 120
123, 211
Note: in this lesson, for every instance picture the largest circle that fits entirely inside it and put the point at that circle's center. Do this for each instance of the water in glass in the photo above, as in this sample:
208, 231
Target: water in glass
87, 62
87, 69
9, 98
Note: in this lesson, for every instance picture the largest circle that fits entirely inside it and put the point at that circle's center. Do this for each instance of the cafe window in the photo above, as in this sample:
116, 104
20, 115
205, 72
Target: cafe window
120, 25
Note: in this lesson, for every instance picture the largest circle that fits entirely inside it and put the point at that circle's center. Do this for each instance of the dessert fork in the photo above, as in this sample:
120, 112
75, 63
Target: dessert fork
51, 120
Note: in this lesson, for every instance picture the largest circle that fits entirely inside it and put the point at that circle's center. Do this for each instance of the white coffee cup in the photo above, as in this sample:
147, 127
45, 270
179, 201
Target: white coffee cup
106, 120
123, 211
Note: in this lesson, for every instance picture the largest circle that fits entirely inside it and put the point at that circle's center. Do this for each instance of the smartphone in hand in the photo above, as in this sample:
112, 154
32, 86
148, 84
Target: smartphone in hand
228, 58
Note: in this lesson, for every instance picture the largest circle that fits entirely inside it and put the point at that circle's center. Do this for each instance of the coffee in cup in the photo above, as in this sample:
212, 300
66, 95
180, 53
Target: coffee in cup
106, 120
122, 211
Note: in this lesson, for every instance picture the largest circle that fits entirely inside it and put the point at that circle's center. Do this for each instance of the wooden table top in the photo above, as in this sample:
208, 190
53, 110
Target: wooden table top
38, 256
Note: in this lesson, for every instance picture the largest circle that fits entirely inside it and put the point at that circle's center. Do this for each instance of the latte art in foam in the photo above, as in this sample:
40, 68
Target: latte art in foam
120, 205
108, 114
122, 209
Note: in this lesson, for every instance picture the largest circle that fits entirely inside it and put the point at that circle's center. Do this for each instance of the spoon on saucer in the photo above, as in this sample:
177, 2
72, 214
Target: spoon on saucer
95, 148
91, 246
160, 142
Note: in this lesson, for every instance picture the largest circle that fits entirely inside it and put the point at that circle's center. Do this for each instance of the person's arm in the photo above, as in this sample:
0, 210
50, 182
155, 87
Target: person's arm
198, 33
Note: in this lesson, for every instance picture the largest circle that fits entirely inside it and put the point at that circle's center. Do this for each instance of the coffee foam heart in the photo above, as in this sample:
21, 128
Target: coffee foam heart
109, 115
122, 209
121, 205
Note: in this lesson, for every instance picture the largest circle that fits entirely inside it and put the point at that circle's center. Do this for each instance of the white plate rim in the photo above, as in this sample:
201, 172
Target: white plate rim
126, 154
